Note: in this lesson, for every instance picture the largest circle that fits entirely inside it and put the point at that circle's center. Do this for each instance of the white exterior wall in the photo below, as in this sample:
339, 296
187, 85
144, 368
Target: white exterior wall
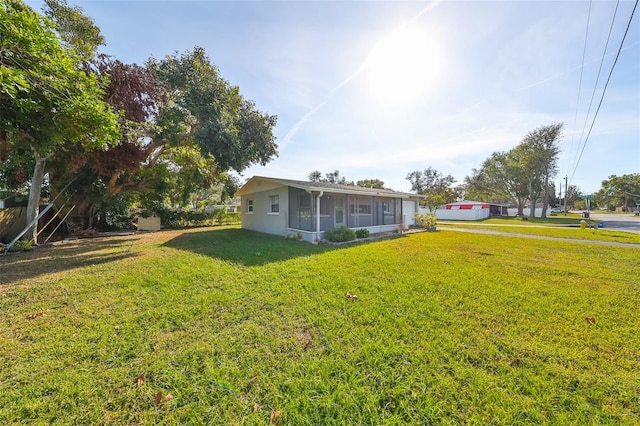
262, 220
462, 214
409, 208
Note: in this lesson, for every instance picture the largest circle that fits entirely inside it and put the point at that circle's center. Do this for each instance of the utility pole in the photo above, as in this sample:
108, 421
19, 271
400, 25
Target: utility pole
560, 196
566, 192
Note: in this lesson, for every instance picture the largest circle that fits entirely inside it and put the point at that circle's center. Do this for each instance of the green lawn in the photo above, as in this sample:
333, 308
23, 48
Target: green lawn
557, 227
225, 326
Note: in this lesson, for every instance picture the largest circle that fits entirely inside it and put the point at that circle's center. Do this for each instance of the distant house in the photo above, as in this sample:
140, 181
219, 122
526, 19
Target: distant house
285, 207
470, 210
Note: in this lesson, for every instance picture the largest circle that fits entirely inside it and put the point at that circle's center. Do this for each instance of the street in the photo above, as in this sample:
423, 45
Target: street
627, 222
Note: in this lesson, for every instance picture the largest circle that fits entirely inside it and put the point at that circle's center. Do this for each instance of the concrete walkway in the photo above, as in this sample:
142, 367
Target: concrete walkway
538, 237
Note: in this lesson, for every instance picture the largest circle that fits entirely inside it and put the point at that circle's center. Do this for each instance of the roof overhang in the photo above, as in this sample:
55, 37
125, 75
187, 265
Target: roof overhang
254, 183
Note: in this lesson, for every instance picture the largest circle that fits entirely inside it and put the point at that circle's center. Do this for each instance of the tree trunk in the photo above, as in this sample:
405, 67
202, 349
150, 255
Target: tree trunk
545, 202
33, 206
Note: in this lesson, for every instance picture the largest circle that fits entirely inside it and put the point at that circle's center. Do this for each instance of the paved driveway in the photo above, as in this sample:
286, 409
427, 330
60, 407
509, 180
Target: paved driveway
619, 222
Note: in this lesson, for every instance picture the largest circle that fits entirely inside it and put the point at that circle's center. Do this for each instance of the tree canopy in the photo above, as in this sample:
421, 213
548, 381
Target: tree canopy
436, 186
521, 174
332, 177
148, 134
620, 191
46, 100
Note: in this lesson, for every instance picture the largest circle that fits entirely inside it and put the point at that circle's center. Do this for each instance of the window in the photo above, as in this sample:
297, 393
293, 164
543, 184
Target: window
275, 204
249, 206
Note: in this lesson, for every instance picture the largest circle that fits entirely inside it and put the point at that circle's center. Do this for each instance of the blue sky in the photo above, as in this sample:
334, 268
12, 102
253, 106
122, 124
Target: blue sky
380, 89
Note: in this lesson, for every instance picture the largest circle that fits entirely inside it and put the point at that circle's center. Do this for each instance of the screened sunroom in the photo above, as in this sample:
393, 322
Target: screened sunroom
307, 209
354, 211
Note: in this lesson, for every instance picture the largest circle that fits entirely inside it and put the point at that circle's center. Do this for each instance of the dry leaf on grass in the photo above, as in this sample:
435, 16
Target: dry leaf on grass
140, 380
160, 400
256, 407
591, 320
351, 296
274, 417
35, 315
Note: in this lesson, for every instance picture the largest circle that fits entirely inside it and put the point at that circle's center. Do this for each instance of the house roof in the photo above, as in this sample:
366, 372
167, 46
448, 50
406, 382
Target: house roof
469, 202
249, 188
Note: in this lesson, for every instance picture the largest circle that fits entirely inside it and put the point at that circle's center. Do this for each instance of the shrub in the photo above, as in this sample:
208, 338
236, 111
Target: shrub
339, 234
362, 233
427, 220
22, 245
294, 236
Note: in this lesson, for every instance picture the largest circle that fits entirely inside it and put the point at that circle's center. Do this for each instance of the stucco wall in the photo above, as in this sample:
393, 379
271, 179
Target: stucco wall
262, 219
466, 214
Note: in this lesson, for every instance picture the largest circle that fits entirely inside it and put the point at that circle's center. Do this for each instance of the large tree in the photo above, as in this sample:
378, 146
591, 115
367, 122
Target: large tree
436, 186
46, 100
520, 174
184, 127
499, 179
619, 191
208, 112
538, 154
77, 31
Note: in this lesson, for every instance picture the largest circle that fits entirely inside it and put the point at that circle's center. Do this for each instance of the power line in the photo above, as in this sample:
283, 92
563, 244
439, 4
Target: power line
604, 53
605, 88
584, 52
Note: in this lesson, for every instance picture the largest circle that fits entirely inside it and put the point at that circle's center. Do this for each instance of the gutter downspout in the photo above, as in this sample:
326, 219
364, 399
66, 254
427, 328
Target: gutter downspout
320, 194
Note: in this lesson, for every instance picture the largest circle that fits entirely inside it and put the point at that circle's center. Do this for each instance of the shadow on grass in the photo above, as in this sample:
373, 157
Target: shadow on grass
62, 257
244, 247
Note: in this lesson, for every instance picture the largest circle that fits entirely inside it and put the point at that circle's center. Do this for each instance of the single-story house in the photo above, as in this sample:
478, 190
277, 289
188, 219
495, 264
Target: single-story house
291, 207
470, 210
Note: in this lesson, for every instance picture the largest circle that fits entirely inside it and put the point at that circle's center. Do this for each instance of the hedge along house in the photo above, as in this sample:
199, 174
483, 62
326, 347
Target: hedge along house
470, 210
291, 207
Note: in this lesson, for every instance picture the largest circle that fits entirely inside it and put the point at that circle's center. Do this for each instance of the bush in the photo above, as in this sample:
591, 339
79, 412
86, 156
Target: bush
22, 245
426, 221
362, 233
340, 234
222, 216
294, 236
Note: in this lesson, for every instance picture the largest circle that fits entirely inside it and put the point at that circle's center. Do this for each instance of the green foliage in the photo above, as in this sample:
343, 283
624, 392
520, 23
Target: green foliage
47, 103
427, 220
220, 215
332, 177
520, 174
362, 233
22, 245
185, 218
437, 187
211, 113
293, 236
339, 234
619, 191
371, 183
77, 31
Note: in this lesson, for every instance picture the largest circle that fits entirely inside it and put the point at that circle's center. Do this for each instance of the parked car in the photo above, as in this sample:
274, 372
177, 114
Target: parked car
557, 210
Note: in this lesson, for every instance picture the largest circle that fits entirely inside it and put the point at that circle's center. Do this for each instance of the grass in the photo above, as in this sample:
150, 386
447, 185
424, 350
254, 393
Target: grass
244, 328
560, 227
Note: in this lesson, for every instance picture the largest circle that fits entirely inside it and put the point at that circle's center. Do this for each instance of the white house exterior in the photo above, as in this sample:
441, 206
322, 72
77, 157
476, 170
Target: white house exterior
470, 210
291, 207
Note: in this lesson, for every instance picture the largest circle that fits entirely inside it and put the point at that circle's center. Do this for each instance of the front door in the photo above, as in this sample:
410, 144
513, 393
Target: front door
338, 210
